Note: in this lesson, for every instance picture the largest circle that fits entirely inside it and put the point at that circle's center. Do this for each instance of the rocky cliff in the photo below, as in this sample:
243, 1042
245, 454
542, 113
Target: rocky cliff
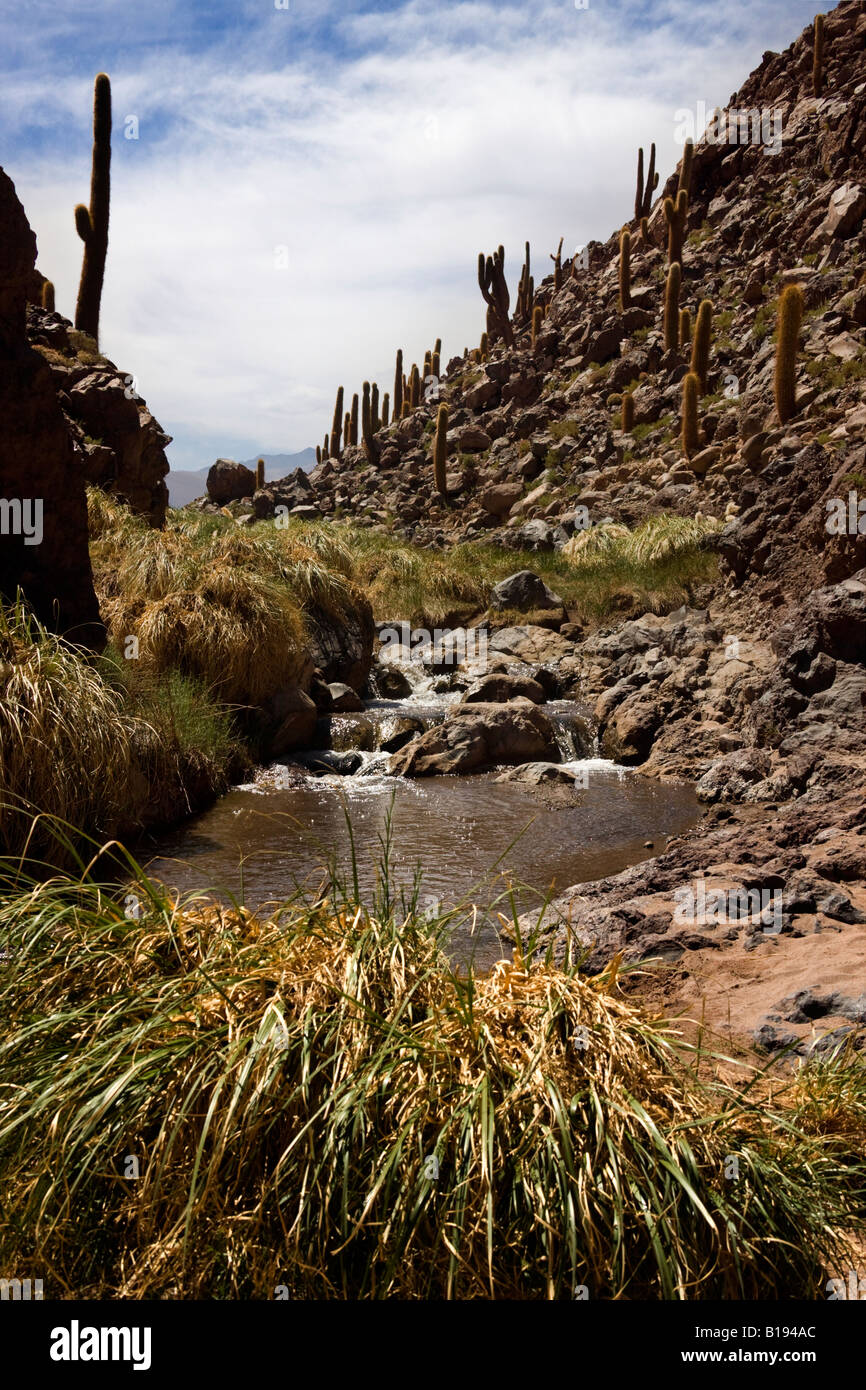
43, 509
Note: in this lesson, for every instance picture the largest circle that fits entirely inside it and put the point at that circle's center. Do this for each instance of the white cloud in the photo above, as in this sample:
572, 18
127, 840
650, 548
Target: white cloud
384, 167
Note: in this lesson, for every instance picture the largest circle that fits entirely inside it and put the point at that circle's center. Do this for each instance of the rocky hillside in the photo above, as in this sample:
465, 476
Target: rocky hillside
758, 693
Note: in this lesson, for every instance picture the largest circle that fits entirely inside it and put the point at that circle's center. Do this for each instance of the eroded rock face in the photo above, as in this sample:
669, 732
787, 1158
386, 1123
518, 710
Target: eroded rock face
43, 508
118, 445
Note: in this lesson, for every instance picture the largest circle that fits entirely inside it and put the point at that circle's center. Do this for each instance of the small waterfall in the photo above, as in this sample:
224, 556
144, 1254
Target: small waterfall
575, 734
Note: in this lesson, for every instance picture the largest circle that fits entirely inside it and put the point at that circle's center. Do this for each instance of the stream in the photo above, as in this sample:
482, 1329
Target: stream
473, 841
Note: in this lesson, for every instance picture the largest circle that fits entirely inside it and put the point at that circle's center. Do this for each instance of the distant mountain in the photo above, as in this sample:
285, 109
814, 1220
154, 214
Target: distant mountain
185, 485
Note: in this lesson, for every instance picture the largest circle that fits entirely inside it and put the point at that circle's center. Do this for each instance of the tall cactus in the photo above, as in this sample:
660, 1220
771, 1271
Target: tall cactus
260, 474
367, 430
627, 421
537, 321
788, 322
494, 288
644, 193
337, 424
374, 409
676, 215
347, 429
672, 307
691, 387
685, 327
818, 57
440, 450
354, 420
386, 410
484, 347
48, 296
525, 292
91, 222
685, 179
625, 269
435, 365
700, 363
557, 267
398, 385
325, 453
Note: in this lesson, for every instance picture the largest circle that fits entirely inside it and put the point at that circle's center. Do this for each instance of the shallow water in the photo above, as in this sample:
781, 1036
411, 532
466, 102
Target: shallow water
466, 836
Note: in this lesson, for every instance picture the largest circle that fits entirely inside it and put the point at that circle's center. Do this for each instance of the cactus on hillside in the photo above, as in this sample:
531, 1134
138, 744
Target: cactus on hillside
48, 296
676, 215
398, 385
537, 321
260, 474
557, 267
325, 453
318, 453
337, 424
672, 307
435, 365
625, 269
374, 409
685, 327
440, 450
788, 322
524, 307
367, 430
494, 288
354, 431
347, 429
818, 57
691, 387
91, 222
485, 347
644, 193
685, 179
700, 364
386, 410
628, 412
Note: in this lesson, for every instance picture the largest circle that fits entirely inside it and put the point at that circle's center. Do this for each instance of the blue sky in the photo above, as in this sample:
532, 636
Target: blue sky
311, 185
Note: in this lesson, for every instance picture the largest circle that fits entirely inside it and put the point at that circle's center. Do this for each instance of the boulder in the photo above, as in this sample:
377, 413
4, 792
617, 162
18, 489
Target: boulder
297, 722
476, 737
344, 700
530, 643
500, 498
524, 591
228, 481
499, 689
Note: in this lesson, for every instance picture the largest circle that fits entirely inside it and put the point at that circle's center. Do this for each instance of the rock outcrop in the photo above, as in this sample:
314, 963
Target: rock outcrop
43, 507
118, 444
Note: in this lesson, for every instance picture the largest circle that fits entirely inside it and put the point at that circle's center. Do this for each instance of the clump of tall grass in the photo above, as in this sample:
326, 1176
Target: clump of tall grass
66, 743
602, 541
235, 609
93, 743
318, 1101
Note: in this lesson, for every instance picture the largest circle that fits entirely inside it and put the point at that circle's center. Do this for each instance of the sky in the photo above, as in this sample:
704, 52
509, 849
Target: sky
312, 181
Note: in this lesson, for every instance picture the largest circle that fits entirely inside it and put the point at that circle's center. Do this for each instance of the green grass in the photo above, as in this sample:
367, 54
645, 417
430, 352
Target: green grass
317, 1101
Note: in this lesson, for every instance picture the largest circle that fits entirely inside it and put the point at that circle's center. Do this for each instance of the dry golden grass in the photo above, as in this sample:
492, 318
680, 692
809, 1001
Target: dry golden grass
318, 1101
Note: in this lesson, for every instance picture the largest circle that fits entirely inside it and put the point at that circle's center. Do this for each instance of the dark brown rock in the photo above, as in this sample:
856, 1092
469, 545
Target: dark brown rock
41, 487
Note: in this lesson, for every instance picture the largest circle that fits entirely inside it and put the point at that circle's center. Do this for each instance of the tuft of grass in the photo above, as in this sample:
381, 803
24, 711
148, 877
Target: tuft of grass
318, 1101
202, 595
